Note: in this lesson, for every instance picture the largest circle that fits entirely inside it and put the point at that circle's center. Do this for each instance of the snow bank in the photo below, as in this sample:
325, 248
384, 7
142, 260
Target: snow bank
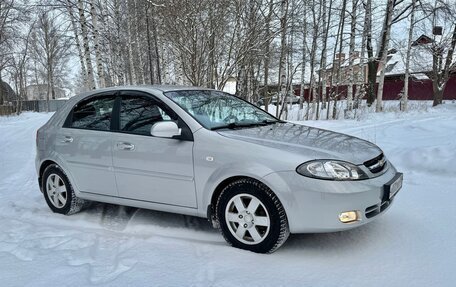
413, 244
390, 108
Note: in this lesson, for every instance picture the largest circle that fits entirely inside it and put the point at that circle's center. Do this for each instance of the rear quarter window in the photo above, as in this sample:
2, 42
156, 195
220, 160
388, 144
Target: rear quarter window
93, 114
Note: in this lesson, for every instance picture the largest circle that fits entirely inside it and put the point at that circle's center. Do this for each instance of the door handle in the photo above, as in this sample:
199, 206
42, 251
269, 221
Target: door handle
125, 146
67, 139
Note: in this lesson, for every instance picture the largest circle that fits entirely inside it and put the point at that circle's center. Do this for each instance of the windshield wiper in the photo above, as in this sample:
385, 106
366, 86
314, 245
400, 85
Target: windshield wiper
268, 122
244, 125
229, 126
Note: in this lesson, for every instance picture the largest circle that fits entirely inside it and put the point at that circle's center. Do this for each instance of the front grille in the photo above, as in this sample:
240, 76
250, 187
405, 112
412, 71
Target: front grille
376, 164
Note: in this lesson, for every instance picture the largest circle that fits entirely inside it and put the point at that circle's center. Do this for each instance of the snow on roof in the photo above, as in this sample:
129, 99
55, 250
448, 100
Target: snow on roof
296, 78
420, 61
346, 63
420, 76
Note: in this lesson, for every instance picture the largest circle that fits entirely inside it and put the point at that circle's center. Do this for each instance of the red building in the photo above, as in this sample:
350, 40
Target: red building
420, 84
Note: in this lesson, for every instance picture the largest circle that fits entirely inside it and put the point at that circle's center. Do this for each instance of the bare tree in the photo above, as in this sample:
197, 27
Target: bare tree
51, 50
20, 68
391, 16
443, 60
11, 15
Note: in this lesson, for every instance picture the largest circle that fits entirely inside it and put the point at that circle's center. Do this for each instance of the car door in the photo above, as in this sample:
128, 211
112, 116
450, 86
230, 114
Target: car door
150, 168
84, 143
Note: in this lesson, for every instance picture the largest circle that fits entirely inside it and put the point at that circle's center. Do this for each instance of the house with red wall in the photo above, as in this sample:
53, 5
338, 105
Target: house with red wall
420, 83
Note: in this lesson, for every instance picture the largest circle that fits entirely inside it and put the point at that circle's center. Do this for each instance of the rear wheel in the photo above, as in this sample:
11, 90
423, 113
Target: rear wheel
251, 217
58, 192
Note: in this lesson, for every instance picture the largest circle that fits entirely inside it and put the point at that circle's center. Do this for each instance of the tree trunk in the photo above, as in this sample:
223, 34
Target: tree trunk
140, 67
157, 55
282, 76
313, 52
371, 61
120, 61
20, 97
130, 40
303, 59
383, 52
290, 62
48, 92
325, 23
438, 93
339, 63
1, 89
96, 46
211, 44
85, 40
78, 42
362, 72
267, 46
351, 55
149, 46
404, 100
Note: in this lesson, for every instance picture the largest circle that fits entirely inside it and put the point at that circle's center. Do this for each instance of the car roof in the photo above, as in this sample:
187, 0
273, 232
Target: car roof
144, 88
169, 88
161, 88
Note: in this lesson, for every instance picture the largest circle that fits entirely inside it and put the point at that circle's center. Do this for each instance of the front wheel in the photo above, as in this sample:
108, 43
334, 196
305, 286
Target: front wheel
251, 217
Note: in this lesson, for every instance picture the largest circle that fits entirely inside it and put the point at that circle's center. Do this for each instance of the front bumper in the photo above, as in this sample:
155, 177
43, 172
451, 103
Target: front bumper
314, 205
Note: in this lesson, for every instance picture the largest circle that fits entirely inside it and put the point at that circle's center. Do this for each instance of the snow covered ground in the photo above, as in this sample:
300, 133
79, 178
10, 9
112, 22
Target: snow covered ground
413, 244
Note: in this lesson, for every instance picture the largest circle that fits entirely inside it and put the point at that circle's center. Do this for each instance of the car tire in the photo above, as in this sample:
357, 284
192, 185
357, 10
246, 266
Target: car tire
58, 192
251, 217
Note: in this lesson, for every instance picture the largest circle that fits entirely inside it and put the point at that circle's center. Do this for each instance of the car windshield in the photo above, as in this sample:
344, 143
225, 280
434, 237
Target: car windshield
218, 110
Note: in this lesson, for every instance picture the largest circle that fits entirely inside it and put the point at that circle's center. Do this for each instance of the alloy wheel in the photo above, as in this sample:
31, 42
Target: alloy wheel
247, 218
56, 190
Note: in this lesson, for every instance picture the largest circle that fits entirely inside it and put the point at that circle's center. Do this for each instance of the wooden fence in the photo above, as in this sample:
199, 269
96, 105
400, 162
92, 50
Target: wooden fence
7, 110
41, 105
33, 106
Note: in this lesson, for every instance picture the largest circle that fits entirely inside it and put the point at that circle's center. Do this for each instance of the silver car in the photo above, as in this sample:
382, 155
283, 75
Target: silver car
206, 153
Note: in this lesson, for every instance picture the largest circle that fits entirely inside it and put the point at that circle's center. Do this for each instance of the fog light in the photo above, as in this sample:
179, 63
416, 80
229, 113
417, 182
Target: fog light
348, 216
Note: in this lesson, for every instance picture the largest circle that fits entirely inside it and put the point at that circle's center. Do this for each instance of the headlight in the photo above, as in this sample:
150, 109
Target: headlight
331, 169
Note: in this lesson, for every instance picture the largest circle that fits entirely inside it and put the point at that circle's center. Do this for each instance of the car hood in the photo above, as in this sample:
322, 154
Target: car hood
310, 142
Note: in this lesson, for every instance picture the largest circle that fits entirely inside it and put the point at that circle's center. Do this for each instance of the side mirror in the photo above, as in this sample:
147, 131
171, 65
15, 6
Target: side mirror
165, 129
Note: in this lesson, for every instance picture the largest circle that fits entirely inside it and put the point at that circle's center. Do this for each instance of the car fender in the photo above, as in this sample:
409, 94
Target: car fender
247, 169
54, 157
